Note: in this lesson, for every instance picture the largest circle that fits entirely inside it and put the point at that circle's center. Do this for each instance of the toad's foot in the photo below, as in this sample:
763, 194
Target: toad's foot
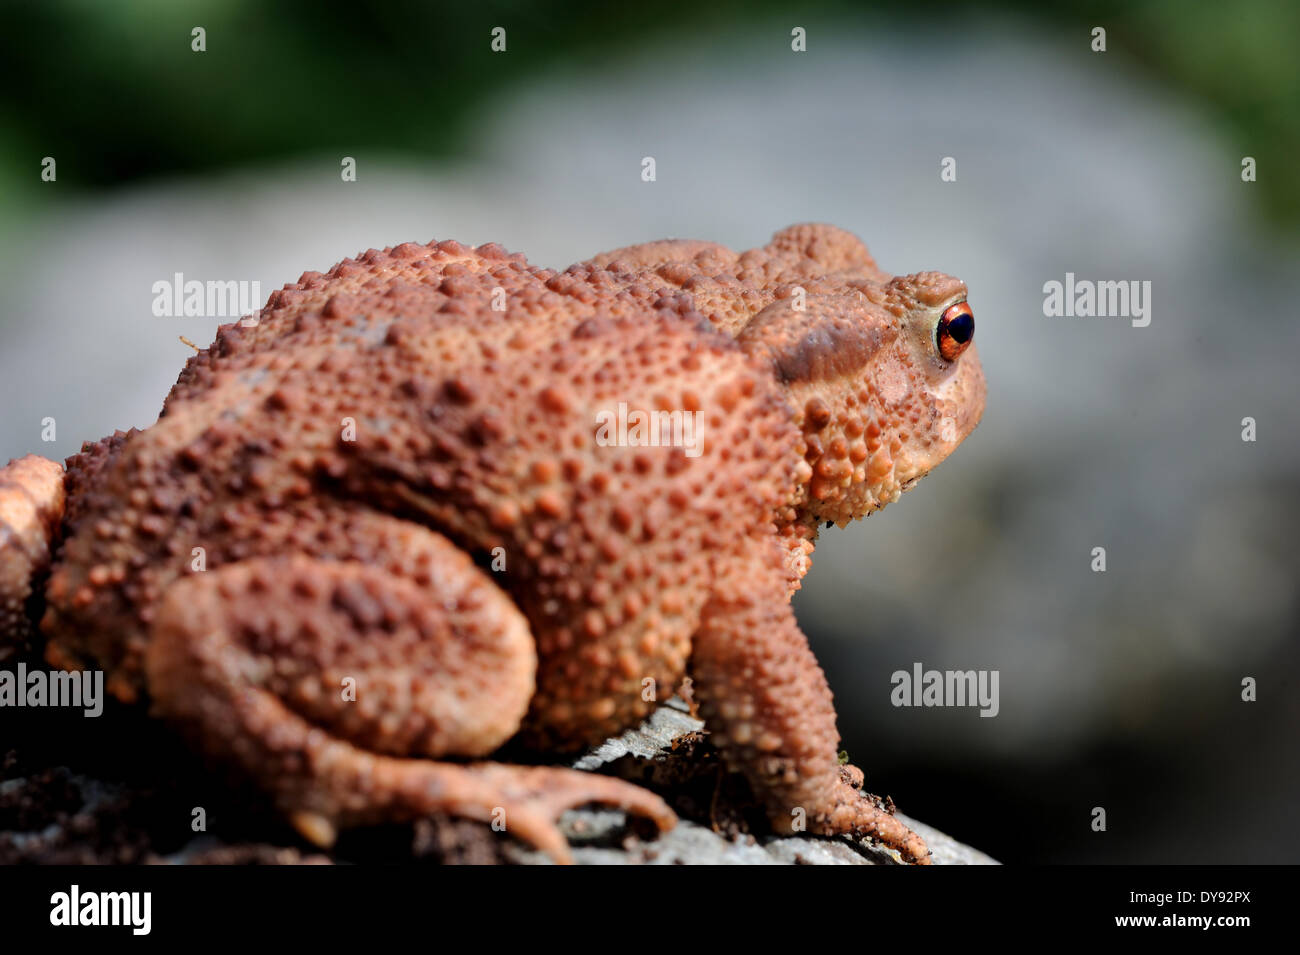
323, 679
523, 801
527, 800
855, 813
766, 703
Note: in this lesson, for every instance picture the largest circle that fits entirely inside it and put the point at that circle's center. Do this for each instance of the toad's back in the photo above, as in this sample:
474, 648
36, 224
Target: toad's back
410, 395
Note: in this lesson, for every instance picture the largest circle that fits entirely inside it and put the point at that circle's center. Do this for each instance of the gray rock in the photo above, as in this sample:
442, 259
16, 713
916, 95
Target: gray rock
595, 834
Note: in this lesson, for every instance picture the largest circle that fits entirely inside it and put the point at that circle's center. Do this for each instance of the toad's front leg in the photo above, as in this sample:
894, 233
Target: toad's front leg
766, 703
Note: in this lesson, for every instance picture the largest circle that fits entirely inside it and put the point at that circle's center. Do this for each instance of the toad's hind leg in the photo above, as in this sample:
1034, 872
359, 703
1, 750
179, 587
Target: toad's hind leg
323, 680
31, 507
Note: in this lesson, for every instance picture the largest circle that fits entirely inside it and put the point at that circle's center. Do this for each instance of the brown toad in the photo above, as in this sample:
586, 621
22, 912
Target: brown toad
437, 498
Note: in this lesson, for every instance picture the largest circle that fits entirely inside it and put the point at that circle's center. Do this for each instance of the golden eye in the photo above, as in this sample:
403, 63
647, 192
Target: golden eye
955, 331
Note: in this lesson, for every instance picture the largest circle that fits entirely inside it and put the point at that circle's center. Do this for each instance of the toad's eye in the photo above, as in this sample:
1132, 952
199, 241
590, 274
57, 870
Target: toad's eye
956, 329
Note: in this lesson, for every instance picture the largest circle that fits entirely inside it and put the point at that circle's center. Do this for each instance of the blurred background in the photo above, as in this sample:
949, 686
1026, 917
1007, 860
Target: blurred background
1119, 690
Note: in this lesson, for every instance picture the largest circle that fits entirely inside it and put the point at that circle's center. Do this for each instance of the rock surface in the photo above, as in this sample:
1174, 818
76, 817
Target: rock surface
121, 790
594, 833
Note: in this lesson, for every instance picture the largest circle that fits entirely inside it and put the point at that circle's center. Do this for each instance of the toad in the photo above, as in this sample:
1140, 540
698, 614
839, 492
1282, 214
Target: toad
384, 526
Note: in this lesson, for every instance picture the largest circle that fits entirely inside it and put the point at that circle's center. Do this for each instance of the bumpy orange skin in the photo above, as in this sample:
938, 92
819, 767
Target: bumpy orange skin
383, 432
32, 501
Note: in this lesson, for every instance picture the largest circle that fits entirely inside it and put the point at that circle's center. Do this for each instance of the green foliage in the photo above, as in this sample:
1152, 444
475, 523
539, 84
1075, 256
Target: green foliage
113, 91
1237, 59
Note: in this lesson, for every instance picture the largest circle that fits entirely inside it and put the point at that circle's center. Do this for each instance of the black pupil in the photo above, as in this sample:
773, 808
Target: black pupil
960, 327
